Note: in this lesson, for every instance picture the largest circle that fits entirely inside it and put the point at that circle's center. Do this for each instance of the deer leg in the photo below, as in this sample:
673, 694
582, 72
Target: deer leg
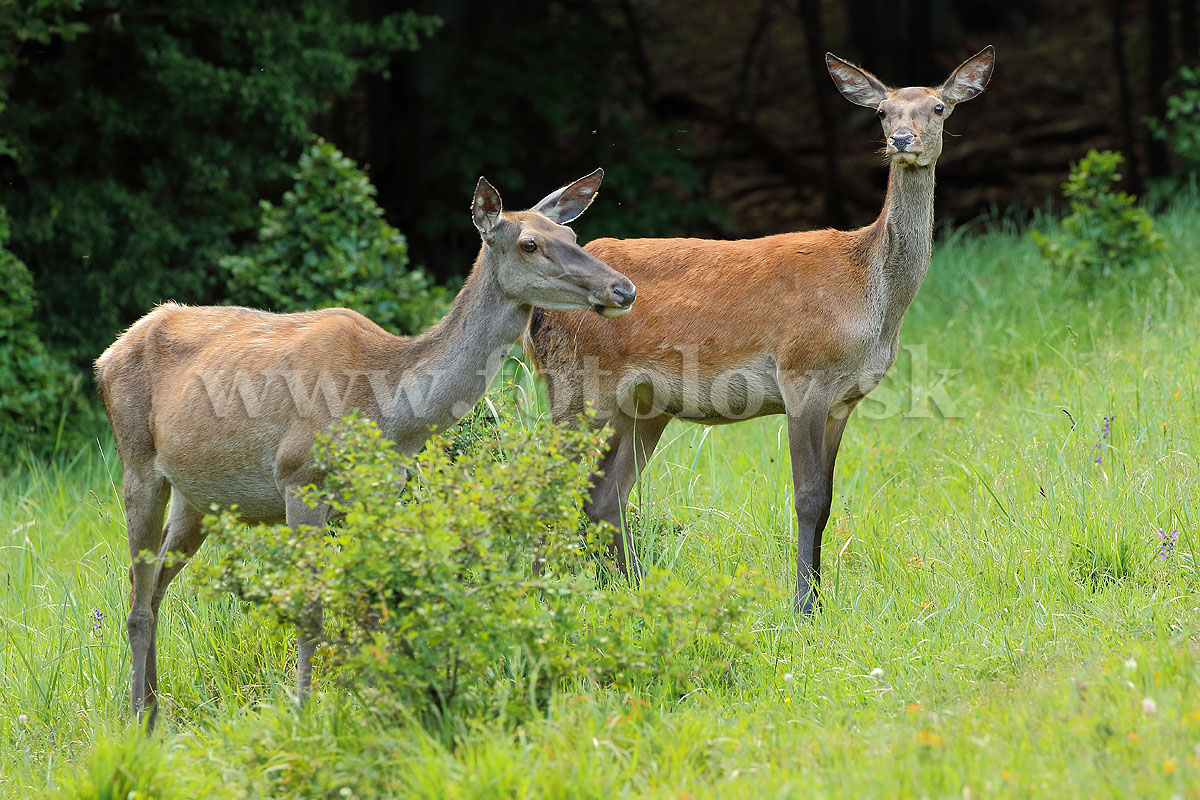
181, 539
308, 632
832, 440
807, 405
629, 450
145, 501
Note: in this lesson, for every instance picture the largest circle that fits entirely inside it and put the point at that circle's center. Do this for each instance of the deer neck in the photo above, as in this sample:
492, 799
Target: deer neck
904, 233
437, 377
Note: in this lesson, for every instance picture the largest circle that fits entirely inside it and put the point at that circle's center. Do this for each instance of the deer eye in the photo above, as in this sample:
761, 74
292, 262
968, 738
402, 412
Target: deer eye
880, 113
939, 108
529, 246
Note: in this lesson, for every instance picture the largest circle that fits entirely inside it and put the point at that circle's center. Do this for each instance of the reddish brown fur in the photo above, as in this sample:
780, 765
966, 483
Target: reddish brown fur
727, 298
800, 323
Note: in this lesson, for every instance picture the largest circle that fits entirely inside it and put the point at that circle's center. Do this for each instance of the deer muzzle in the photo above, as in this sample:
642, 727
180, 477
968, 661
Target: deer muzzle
621, 295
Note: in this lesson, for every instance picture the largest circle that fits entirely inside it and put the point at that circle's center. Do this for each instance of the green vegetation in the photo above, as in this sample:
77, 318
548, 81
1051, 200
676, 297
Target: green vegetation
326, 244
37, 389
142, 137
434, 612
1106, 229
1180, 126
1010, 608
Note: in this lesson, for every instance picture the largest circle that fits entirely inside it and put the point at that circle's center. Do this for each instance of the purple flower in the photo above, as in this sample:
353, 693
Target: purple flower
1166, 543
1103, 434
97, 619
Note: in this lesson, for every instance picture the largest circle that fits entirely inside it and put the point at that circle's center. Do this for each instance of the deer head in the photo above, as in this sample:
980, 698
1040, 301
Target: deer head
538, 261
912, 118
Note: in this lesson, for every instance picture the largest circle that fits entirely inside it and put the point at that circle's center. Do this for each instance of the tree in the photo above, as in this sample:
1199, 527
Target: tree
141, 138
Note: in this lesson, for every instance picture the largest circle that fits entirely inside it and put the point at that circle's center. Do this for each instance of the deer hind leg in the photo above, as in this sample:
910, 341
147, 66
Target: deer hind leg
145, 501
629, 450
181, 539
308, 632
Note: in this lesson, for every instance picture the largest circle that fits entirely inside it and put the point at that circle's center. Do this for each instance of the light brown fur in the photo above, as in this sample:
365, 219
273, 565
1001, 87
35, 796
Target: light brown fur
218, 406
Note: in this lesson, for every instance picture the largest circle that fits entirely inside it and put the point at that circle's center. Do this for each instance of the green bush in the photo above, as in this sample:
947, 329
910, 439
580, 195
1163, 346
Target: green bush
433, 607
327, 244
1106, 230
1180, 126
37, 389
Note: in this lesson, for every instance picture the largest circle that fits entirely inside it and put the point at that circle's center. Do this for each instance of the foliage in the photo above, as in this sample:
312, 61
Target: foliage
1180, 126
22, 24
37, 389
143, 134
327, 244
434, 601
521, 124
960, 644
1106, 231
129, 767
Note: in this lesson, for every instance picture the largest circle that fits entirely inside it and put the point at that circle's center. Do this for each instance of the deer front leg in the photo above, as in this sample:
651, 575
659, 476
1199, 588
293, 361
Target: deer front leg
308, 632
807, 404
629, 450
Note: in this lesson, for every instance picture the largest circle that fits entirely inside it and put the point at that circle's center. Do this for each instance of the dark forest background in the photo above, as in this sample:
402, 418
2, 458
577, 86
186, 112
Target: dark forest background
139, 138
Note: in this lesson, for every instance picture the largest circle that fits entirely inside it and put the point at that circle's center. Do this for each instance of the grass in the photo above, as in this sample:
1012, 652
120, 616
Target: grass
998, 620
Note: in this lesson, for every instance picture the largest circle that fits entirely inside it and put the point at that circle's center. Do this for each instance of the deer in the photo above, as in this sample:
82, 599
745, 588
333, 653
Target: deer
172, 382
804, 324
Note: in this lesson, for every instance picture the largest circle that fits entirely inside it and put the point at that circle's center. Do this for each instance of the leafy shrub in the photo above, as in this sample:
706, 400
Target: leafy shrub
1105, 230
1180, 126
36, 388
327, 244
431, 597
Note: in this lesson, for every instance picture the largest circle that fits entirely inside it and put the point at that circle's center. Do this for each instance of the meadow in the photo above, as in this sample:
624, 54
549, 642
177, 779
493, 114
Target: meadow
1010, 604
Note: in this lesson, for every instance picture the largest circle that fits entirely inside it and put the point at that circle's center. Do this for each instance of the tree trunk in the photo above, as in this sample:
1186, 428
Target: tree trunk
1157, 162
810, 17
1124, 99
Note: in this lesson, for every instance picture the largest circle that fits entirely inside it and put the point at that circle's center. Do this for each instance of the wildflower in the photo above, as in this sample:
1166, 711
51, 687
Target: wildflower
787, 677
1103, 434
1131, 665
1148, 705
1166, 543
877, 673
24, 720
97, 619
929, 738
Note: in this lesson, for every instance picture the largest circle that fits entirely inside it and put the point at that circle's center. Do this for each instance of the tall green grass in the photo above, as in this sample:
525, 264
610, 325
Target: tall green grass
998, 618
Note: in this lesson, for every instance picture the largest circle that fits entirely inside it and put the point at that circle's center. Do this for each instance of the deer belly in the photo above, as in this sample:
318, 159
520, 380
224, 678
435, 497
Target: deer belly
702, 394
206, 483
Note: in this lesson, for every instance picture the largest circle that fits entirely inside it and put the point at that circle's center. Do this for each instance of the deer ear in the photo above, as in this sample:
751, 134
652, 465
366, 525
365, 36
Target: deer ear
486, 207
971, 77
566, 204
856, 84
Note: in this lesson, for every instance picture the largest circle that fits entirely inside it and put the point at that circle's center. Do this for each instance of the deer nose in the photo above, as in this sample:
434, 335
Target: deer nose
902, 141
622, 296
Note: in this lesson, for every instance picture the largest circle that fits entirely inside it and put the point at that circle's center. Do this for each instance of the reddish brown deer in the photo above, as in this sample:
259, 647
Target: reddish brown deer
171, 385
802, 324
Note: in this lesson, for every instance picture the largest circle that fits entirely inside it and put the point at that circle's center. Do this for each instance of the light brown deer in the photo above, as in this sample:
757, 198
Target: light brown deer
171, 385
802, 324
